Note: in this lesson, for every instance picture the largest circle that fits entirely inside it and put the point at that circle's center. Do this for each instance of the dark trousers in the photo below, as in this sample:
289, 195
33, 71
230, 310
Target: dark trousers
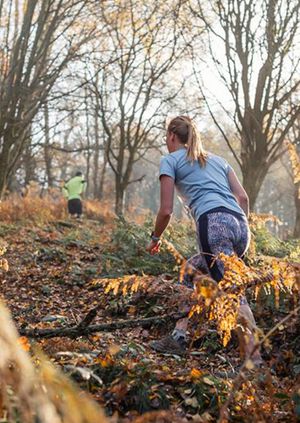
75, 206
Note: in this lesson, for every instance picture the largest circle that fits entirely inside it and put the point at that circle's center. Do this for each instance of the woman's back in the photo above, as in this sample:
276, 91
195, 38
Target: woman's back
203, 188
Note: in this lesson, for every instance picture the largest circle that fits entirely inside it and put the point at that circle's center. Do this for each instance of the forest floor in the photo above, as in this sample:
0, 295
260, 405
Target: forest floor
54, 280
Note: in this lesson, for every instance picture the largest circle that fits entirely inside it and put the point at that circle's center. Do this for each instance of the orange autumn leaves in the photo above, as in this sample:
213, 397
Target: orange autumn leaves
3, 262
24, 343
220, 302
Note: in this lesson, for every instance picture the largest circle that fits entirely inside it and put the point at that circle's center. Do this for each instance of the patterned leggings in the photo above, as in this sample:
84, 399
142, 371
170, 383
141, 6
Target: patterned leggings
220, 231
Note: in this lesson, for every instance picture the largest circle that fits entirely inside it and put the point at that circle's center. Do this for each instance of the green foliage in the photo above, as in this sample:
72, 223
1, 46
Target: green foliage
127, 254
127, 251
6, 229
268, 244
78, 237
211, 343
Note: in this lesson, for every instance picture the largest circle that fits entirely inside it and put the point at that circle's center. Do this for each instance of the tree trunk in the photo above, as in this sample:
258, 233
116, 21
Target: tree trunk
296, 233
47, 153
120, 196
4, 168
102, 179
96, 181
30, 66
3, 180
103, 171
29, 165
254, 156
96, 162
10, 153
87, 135
253, 176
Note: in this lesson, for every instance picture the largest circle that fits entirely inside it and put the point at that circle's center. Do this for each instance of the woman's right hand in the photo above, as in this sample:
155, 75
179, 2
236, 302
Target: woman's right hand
153, 247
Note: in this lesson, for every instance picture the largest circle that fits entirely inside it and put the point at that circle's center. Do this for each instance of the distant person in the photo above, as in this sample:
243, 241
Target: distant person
73, 189
219, 205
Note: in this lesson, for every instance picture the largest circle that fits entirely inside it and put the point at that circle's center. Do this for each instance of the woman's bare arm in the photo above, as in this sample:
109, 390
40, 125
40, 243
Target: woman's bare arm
166, 204
165, 212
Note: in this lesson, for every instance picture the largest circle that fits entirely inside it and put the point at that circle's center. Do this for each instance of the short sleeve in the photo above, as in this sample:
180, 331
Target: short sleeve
227, 167
167, 166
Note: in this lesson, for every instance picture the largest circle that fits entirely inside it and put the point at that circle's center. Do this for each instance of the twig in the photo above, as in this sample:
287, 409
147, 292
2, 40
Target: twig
85, 322
76, 331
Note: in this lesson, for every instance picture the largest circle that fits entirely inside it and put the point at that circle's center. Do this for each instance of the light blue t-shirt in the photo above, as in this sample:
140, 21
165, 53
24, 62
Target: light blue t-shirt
201, 188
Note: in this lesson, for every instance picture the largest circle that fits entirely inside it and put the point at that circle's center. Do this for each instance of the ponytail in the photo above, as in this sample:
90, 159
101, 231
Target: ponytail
188, 135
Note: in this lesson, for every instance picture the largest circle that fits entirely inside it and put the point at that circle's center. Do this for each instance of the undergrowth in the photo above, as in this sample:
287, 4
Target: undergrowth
126, 252
133, 379
49, 207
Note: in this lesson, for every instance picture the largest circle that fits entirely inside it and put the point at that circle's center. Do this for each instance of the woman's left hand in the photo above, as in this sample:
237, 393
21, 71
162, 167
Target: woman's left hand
153, 247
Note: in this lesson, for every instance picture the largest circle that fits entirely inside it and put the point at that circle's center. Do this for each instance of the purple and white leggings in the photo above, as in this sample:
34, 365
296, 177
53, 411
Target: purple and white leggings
220, 231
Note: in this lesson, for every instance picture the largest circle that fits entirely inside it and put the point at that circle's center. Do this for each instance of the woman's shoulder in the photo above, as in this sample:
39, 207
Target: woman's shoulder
215, 158
173, 157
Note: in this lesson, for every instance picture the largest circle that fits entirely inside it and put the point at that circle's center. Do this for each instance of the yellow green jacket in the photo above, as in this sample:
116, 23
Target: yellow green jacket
74, 187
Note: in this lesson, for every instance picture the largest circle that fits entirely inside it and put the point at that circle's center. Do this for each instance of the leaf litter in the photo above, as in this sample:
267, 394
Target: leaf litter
56, 276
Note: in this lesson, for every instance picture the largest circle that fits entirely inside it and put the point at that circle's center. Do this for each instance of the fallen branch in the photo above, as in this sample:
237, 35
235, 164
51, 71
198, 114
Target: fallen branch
83, 330
64, 224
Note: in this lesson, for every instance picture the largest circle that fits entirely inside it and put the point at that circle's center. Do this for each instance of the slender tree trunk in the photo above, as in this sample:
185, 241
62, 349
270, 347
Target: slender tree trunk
29, 165
103, 171
96, 165
120, 196
296, 233
97, 144
47, 153
64, 167
100, 192
88, 154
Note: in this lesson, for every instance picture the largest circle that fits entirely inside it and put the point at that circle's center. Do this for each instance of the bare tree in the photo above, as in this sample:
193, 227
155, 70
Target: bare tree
38, 39
260, 69
293, 171
143, 42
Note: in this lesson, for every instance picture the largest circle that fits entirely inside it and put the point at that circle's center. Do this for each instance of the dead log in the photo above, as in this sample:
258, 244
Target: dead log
83, 330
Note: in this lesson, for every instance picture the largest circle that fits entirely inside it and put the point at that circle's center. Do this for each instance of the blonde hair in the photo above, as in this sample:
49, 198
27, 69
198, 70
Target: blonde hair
188, 134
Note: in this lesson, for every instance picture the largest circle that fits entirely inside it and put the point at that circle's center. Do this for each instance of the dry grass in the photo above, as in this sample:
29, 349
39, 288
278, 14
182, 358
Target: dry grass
95, 209
15, 209
51, 206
